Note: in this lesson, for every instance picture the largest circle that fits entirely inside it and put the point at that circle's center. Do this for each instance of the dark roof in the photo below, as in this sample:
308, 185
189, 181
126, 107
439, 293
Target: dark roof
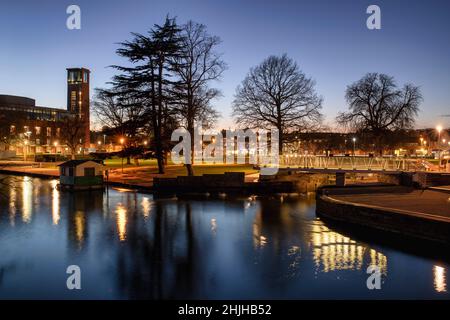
74, 163
16, 100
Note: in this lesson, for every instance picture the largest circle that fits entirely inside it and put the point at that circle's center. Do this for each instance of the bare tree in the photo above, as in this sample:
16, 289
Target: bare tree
122, 116
378, 107
196, 66
72, 133
277, 94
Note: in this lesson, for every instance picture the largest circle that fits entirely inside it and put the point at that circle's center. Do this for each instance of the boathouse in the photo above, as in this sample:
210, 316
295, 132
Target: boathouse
81, 175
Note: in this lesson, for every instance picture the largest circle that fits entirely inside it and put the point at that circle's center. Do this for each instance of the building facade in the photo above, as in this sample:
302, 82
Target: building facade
78, 97
27, 129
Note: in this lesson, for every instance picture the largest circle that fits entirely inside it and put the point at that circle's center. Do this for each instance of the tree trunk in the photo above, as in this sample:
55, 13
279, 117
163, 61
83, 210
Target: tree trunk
159, 148
190, 128
280, 141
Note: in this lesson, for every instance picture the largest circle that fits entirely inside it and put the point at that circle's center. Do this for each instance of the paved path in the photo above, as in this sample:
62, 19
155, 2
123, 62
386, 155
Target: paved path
425, 202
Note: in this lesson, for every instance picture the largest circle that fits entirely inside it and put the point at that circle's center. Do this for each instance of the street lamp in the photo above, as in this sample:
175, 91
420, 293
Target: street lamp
354, 145
122, 140
25, 150
439, 129
56, 145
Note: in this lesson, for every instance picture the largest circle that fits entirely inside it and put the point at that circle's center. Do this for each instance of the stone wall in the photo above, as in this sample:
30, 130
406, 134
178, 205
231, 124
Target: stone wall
378, 218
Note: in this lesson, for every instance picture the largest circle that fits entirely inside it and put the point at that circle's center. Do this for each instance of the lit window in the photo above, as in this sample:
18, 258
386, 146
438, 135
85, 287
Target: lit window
38, 130
49, 131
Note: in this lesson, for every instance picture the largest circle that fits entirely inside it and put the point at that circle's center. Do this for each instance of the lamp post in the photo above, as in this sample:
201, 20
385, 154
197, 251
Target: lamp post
56, 145
122, 140
25, 147
439, 129
25, 150
354, 145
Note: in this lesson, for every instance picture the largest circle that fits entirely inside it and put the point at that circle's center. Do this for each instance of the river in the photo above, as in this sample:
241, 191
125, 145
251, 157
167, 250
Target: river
130, 246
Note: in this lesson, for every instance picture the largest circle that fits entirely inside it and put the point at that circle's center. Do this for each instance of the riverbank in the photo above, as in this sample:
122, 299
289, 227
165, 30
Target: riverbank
423, 214
136, 177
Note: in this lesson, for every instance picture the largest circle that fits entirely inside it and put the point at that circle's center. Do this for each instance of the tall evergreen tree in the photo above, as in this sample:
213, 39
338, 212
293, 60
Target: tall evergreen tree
148, 77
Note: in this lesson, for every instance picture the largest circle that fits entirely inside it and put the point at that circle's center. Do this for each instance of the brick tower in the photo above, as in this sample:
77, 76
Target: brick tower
78, 98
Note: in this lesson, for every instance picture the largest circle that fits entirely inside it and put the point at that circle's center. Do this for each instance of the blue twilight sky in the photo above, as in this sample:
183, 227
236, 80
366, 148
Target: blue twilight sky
328, 39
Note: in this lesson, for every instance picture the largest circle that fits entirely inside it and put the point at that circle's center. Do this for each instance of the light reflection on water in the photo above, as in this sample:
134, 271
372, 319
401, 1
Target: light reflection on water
440, 282
131, 246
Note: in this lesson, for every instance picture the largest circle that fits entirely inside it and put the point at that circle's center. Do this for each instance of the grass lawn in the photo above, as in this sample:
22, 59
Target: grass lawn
117, 163
180, 170
212, 169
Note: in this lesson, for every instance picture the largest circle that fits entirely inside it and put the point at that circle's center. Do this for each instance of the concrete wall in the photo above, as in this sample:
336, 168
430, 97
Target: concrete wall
381, 219
432, 179
7, 154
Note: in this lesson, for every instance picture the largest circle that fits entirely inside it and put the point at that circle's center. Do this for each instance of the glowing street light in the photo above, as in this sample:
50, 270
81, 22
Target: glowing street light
56, 145
439, 129
122, 140
354, 145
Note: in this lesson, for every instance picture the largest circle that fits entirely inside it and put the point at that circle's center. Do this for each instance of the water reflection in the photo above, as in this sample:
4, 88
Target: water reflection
440, 284
12, 204
27, 200
333, 251
132, 246
121, 216
55, 202
146, 206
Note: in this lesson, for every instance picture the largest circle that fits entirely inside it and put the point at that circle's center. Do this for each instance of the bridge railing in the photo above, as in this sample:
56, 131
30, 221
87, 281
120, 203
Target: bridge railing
351, 162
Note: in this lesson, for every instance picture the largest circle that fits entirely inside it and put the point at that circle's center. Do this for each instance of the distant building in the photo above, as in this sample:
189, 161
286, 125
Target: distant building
26, 128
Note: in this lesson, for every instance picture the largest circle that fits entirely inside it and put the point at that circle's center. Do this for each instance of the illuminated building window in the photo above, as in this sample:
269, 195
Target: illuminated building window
12, 129
58, 131
38, 130
73, 100
49, 131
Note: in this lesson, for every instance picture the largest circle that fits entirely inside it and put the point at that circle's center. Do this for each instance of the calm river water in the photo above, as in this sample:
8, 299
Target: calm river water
130, 246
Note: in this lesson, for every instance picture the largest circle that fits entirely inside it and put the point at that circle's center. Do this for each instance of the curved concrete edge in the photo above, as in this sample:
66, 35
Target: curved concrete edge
412, 224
